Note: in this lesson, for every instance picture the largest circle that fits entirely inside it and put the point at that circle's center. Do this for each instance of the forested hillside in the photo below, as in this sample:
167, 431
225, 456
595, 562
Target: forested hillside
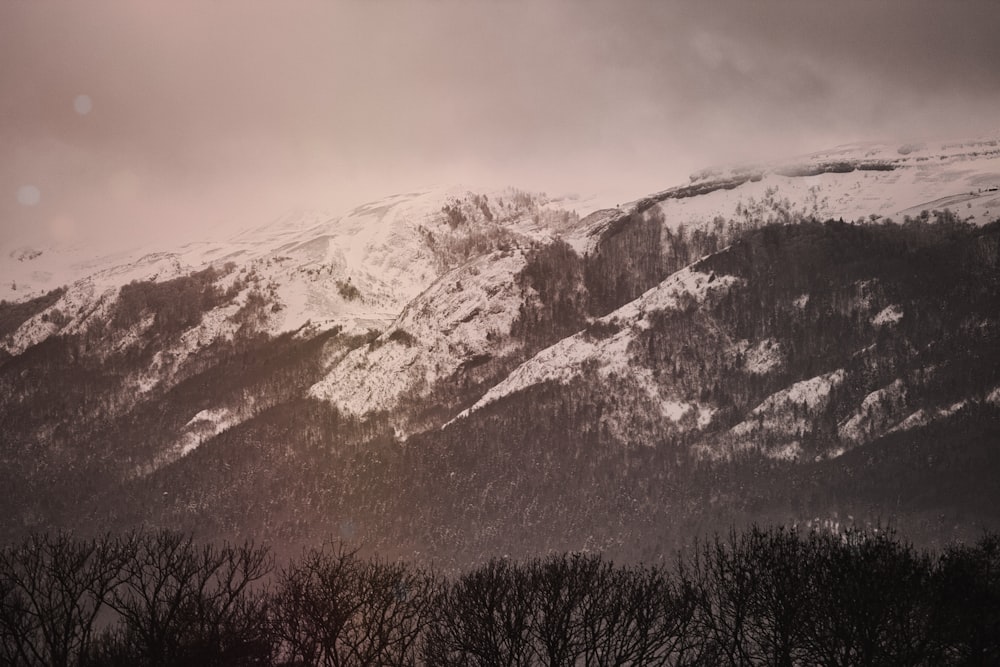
818, 373
620, 383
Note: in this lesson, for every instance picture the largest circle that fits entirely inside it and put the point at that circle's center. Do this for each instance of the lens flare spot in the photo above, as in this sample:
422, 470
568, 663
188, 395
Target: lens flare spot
28, 195
82, 104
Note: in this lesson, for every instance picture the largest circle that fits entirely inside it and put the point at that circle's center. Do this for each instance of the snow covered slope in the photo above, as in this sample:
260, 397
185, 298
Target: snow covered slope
356, 271
851, 182
613, 355
435, 271
460, 320
857, 181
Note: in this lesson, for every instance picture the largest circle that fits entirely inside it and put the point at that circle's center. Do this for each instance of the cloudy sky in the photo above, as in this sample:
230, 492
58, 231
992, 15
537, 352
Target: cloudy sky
142, 119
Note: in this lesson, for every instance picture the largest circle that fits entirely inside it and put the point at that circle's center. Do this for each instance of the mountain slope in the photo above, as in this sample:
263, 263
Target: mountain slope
706, 402
453, 375
814, 314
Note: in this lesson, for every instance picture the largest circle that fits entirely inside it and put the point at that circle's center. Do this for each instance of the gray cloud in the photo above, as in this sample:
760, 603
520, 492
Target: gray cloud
231, 112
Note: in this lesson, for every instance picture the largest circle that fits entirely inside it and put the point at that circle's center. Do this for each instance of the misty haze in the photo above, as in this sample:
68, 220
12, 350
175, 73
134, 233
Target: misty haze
482, 333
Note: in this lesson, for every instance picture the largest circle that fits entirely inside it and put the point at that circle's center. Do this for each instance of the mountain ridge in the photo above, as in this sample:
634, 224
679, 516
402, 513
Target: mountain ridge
662, 354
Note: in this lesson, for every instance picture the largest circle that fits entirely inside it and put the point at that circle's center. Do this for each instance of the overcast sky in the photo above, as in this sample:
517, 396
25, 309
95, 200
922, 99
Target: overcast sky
137, 119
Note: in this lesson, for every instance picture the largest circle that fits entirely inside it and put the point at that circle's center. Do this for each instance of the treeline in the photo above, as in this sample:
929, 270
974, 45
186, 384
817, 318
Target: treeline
14, 314
174, 305
762, 597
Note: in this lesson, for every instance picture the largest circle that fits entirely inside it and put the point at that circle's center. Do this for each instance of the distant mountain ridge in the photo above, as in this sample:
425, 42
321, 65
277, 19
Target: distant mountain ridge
453, 374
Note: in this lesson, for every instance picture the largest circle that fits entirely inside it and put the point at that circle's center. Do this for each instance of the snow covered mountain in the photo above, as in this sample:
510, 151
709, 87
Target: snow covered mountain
460, 372
864, 182
306, 270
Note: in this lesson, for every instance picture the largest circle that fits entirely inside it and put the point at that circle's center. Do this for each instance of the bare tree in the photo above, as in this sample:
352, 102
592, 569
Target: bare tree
333, 609
638, 616
967, 599
483, 619
872, 605
724, 575
561, 589
52, 590
179, 603
783, 595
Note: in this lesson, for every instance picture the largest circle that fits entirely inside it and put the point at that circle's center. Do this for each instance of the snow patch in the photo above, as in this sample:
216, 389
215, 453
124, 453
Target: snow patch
878, 411
787, 412
763, 357
815, 391
888, 315
918, 418
683, 286
204, 425
994, 397
705, 415
925, 416
789, 452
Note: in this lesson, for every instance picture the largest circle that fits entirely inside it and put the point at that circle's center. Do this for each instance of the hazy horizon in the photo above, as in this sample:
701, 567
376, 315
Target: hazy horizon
141, 121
